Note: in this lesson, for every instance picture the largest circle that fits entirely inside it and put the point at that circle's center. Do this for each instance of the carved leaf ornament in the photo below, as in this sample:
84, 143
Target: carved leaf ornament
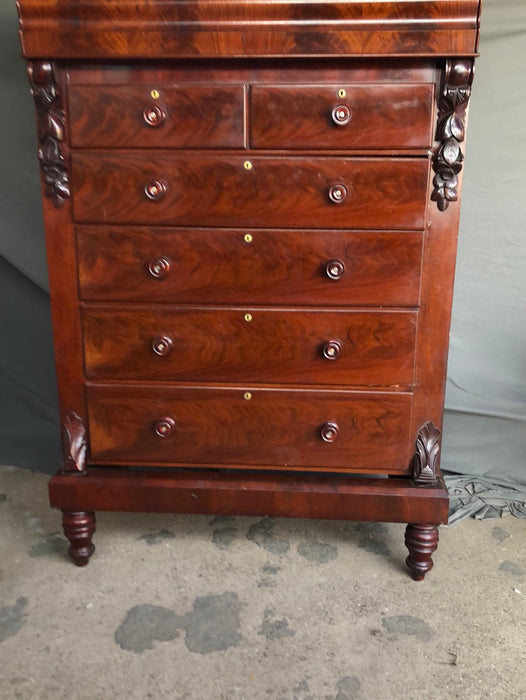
447, 162
425, 462
50, 118
73, 443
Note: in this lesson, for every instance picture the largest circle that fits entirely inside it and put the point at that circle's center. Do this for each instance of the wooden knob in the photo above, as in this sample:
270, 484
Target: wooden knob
329, 431
155, 189
335, 269
341, 115
164, 427
159, 267
162, 345
332, 350
154, 116
338, 194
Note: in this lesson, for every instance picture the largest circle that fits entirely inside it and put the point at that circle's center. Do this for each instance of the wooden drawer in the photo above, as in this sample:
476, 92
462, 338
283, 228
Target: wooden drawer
224, 190
126, 116
274, 428
341, 116
339, 268
250, 345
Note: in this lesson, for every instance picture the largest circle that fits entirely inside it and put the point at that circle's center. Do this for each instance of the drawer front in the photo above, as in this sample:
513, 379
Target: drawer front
119, 116
341, 116
250, 345
360, 432
142, 188
338, 268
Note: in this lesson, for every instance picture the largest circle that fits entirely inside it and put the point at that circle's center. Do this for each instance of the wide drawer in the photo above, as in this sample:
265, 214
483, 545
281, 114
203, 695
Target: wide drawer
338, 268
344, 431
249, 344
157, 116
225, 190
341, 116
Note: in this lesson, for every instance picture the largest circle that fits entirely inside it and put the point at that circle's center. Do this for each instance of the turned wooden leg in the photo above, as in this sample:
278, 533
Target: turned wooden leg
79, 528
421, 541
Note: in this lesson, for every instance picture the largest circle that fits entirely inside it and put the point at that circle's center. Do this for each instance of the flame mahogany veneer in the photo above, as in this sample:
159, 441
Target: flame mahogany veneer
251, 215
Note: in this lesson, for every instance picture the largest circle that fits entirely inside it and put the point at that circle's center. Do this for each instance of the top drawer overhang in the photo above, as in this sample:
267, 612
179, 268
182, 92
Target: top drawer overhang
164, 29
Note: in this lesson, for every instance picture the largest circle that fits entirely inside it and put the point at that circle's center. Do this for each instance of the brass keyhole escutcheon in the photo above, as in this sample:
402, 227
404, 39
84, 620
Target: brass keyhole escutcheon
154, 94
247, 165
247, 238
247, 395
342, 93
248, 317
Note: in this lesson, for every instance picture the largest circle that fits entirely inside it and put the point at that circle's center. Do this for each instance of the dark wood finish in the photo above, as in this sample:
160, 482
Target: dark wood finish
427, 455
341, 116
74, 444
79, 527
50, 124
270, 493
447, 162
421, 541
249, 345
200, 190
164, 29
266, 427
122, 116
224, 266
258, 277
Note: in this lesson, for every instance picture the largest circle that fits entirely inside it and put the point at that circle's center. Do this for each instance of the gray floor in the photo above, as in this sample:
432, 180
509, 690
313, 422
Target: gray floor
202, 608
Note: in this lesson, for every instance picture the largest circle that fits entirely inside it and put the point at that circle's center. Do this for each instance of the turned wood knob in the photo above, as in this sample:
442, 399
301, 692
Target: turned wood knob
341, 115
162, 345
338, 194
164, 427
335, 269
329, 431
332, 350
154, 116
155, 189
159, 267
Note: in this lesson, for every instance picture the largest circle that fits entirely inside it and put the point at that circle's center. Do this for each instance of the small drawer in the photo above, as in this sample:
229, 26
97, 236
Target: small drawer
322, 431
225, 190
341, 116
359, 348
156, 116
336, 268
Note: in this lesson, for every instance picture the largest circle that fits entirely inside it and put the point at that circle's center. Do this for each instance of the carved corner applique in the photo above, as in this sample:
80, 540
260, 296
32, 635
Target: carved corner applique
426, 458
50, 122
73, 444
447, 161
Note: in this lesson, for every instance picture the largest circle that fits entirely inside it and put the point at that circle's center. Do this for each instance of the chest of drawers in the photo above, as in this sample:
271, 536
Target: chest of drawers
251, 214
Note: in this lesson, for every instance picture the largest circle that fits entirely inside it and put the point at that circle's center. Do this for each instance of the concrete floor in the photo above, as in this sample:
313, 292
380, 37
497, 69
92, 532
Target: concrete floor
195, 607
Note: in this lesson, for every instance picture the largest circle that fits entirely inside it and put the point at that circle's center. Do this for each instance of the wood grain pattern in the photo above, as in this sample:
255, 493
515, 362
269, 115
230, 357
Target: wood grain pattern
199, 116
218, 345
380, 116
263, 493
233, 316
270, 192
279, 428
169, 28
225, 266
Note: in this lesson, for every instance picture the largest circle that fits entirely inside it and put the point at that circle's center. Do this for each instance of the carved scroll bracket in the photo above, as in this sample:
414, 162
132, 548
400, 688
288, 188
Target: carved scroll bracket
50, 122
453, 101
73, 444
426, 459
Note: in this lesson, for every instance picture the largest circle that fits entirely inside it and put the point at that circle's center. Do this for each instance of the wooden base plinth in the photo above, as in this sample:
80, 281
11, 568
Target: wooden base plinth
333, 497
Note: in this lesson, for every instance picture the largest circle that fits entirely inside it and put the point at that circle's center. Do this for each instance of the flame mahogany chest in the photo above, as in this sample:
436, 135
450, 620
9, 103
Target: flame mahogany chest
251, 212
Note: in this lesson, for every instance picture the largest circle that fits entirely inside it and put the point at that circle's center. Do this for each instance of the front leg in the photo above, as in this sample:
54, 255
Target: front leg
421, 541
79, 528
